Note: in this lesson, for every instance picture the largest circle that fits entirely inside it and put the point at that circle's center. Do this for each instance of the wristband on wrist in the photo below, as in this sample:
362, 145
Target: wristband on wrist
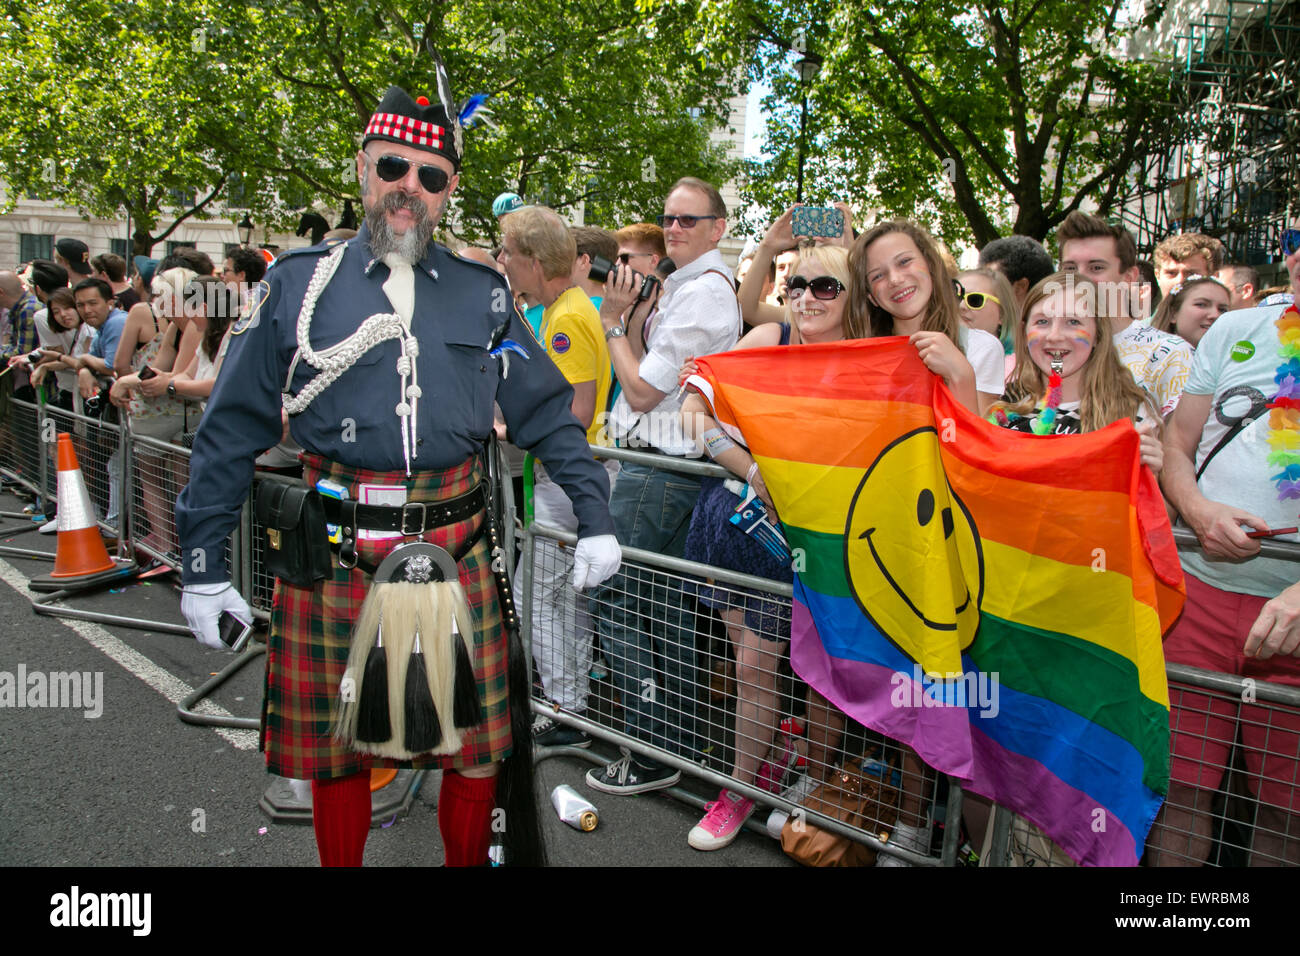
716, 442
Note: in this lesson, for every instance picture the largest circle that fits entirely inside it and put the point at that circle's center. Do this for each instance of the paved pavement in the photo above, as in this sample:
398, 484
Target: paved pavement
136, 786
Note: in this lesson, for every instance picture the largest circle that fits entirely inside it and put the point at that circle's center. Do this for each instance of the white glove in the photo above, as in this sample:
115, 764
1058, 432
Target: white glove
595, 560
202, 605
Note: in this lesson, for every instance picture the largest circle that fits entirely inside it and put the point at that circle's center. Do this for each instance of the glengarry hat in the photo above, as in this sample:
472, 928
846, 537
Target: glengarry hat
414, 122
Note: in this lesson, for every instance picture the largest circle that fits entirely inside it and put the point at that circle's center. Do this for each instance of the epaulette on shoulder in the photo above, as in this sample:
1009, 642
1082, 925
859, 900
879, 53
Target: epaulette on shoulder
316, 251
472, 263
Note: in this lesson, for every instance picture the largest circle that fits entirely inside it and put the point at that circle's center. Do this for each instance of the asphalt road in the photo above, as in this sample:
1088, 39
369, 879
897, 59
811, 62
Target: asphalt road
135, 786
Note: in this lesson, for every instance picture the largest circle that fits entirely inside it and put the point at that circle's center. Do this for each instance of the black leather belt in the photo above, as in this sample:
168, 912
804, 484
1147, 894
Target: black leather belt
412, 518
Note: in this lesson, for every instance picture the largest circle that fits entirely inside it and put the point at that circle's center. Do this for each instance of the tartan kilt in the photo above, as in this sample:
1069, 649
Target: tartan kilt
311, 632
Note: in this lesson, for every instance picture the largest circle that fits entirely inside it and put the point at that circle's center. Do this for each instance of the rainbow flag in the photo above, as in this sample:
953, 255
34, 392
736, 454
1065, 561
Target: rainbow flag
993, 599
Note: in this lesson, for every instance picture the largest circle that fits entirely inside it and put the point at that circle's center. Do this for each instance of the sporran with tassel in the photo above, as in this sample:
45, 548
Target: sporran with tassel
409, 688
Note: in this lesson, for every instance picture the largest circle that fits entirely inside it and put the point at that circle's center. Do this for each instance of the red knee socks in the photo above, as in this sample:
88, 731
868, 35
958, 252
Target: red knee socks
340, 815
465, 806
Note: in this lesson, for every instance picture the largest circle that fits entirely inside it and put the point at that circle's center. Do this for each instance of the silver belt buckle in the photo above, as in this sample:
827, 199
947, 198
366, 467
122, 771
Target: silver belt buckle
424, 513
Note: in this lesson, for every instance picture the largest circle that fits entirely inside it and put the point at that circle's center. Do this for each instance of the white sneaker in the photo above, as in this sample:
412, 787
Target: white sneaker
49, 527
797, 794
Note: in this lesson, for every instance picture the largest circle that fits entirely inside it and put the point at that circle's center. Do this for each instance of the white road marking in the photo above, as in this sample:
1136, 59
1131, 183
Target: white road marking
170, 686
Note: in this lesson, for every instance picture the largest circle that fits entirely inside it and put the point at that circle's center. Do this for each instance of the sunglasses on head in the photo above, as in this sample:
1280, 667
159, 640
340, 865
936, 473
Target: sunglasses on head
686, 222
977, 300
822, 287
1290, 241
434, 179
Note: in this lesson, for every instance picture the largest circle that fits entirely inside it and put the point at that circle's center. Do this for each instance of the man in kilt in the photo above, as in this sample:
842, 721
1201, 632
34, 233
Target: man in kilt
390, 352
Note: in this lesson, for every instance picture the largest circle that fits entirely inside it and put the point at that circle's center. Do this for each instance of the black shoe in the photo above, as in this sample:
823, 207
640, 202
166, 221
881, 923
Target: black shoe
626, 776
552, 733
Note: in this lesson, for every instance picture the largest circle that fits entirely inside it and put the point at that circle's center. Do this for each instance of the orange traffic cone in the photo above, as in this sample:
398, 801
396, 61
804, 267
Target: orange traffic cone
81, 559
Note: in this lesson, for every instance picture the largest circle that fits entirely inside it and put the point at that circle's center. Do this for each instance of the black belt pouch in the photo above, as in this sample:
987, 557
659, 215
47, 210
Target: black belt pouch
297, 544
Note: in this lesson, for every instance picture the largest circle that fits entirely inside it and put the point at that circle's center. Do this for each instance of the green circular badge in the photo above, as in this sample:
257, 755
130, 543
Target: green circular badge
1242, 350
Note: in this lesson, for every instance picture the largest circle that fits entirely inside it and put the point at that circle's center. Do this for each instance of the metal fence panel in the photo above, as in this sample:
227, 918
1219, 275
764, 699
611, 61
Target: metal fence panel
670, 678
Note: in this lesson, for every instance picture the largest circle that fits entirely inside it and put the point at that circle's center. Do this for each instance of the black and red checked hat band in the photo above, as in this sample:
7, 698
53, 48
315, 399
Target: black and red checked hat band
412, 122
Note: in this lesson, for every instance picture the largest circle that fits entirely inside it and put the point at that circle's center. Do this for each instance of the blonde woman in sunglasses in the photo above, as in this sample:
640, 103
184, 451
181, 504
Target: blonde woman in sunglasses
758, 624
988, 303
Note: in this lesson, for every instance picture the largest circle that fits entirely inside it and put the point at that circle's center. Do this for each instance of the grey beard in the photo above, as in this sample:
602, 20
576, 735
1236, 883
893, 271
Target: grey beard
410, 245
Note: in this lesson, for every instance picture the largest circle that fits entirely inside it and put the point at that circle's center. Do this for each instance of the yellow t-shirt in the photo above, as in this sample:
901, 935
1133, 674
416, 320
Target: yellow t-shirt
572, 336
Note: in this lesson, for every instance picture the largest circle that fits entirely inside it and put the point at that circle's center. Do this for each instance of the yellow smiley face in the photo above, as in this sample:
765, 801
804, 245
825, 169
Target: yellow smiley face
913, 555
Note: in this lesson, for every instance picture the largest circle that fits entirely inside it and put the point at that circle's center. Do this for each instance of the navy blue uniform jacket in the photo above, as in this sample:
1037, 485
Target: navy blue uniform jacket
458, 304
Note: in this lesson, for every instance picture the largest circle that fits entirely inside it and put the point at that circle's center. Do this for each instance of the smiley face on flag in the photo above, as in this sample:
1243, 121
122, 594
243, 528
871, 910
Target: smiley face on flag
913, 554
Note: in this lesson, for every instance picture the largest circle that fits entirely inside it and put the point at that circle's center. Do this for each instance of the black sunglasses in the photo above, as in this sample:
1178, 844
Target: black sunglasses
392, 168
1290, 241
686, 222
822, 287
623, 257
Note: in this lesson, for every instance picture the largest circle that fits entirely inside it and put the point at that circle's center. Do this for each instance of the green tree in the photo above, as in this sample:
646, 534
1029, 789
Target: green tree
594, 103
121, 107
979, 119
126, 106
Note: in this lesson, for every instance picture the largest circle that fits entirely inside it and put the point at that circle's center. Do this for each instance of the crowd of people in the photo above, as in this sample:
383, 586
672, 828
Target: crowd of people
1203, 362
1041, 346
92, 343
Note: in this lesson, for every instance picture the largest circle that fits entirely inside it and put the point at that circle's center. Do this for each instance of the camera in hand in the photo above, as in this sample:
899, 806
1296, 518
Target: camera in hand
601, 268
147, 373
34, 356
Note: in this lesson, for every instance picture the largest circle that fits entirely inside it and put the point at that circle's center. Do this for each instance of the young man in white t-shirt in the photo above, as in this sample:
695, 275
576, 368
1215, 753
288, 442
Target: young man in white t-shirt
1242, 614
1107, 255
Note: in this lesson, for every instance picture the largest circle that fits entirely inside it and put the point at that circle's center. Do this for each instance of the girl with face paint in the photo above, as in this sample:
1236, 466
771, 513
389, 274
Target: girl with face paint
1068, 378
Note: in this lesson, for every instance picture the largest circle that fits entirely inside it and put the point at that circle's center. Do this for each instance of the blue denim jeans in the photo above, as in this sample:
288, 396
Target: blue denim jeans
645, 620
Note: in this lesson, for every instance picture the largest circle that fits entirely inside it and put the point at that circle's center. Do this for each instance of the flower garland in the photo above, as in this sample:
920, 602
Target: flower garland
1045, 421
1284, 417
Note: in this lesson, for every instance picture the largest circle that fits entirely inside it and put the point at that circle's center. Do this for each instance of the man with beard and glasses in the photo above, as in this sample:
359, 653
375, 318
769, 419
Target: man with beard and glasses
390, 351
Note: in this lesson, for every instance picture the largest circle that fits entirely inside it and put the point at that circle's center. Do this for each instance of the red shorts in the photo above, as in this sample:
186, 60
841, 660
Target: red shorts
1204, 727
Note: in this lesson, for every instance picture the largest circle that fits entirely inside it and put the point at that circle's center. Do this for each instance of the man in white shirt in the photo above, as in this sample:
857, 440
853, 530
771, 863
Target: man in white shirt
640, 624
1107, 255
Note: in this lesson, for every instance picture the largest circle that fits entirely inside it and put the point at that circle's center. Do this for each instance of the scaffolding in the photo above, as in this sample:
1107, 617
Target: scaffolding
1232, 170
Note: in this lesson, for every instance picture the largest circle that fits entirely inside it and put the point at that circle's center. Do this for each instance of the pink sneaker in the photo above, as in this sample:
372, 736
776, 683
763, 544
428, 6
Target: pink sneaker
787, 752
722, 822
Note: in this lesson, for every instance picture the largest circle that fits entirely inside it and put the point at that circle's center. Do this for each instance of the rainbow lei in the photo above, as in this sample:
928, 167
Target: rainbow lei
1284, 417
1045, 420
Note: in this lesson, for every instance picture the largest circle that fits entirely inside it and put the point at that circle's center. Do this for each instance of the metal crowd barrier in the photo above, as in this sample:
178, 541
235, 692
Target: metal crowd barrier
701, 684
676, 599
1255, 723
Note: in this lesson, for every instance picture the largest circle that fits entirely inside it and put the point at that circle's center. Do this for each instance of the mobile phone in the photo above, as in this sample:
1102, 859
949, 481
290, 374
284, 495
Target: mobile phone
1271, 532
233, 632
147, 373
817, 221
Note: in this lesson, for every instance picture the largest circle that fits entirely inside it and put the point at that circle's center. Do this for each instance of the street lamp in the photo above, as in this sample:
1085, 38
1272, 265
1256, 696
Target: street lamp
808, 70
245, 227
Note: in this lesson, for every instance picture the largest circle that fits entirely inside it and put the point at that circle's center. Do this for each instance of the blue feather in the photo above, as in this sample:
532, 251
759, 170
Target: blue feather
470, 106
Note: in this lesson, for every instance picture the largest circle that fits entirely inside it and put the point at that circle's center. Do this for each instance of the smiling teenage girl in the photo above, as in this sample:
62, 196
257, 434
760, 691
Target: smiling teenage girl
901, 287
1192, 307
